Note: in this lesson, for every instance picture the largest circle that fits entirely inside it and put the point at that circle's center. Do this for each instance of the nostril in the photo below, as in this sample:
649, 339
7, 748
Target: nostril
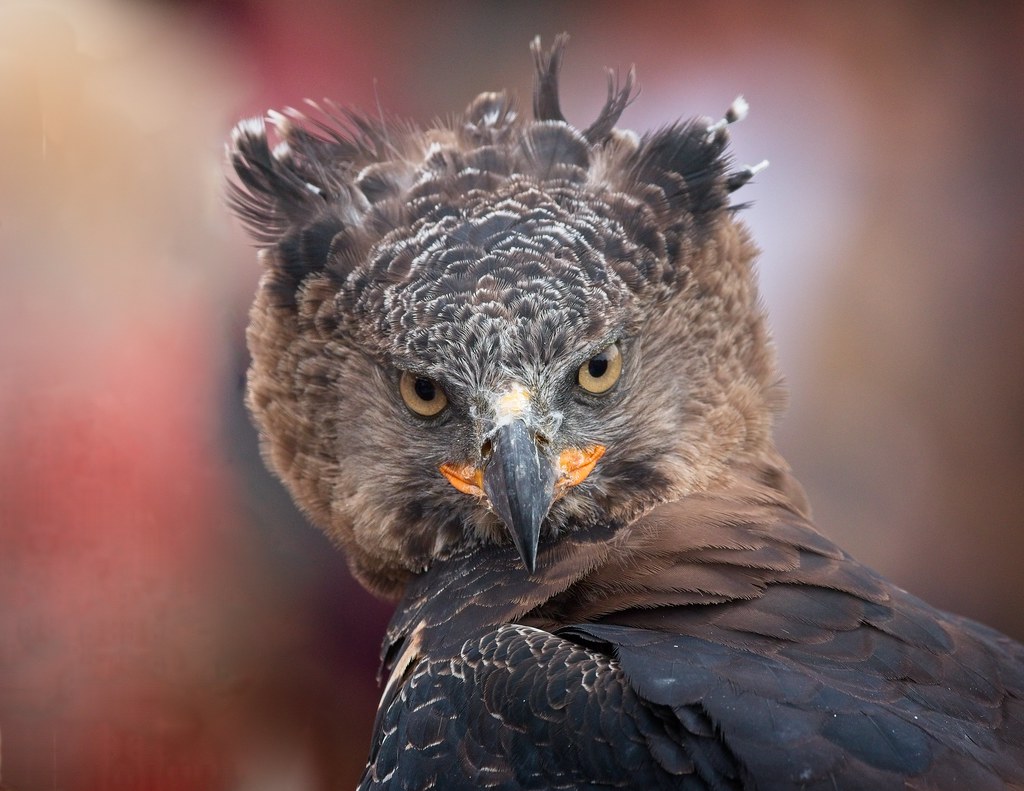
485, 449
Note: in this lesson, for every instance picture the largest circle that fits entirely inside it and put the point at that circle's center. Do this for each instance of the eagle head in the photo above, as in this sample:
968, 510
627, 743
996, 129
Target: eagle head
498, 328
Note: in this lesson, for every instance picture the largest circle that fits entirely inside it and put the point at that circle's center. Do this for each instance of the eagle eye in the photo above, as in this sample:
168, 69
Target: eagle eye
600, 372
422, 395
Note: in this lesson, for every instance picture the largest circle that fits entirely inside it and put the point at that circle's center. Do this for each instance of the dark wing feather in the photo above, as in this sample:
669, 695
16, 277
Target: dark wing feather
829, 676
812, 723
717, 642
518, 707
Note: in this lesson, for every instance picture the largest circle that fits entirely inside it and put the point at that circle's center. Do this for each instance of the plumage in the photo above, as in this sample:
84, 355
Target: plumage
519, 371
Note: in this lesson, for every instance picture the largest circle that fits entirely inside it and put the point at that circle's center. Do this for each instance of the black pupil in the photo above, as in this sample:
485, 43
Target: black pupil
425, 389
598, 366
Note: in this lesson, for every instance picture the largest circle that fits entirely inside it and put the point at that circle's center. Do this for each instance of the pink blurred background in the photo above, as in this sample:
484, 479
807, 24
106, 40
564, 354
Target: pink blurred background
167, 619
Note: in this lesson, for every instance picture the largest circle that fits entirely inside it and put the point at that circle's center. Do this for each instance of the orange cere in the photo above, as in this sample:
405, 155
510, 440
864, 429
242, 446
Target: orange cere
576, 464
464, 477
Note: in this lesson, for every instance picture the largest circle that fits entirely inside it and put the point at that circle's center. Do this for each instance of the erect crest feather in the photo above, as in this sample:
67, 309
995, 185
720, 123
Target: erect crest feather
335, 182
546, 104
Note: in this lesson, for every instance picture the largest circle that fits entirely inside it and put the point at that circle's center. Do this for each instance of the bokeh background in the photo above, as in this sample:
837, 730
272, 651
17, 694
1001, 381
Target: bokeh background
167, 619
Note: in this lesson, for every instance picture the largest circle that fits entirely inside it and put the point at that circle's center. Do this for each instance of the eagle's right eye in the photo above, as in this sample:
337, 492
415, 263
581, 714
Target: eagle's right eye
422, 395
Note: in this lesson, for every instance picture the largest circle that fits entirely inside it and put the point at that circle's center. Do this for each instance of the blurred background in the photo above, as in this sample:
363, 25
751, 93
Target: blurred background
167, 619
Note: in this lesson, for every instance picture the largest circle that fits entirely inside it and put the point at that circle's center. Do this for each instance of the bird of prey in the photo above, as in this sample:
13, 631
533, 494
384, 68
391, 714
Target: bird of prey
519, 371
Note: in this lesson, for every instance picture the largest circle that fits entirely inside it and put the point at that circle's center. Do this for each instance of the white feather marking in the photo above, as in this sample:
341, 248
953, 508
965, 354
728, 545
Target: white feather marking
716, 127
282, 125
409, 655
279, 120
511, 405
738, 110
248, 127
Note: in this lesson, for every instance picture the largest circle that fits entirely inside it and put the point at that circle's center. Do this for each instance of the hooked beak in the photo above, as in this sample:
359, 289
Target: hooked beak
521, 479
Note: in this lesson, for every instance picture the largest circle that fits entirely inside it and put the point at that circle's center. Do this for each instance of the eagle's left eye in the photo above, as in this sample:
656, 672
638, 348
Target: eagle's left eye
422, 395
600, 372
